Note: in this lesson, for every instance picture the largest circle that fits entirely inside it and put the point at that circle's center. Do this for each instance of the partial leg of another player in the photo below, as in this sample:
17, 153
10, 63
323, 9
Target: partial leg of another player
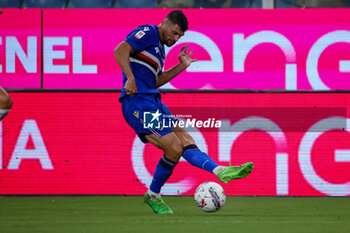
201, 160
5, 103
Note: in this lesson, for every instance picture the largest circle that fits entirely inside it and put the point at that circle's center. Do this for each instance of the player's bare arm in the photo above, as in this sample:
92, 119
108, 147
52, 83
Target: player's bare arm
122, 55
185, 61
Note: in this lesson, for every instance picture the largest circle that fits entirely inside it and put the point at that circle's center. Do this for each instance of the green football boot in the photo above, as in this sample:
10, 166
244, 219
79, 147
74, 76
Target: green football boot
235, 172
157, 205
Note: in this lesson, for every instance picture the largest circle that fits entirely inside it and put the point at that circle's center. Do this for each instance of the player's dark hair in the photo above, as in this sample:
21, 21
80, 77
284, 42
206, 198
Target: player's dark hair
179, 18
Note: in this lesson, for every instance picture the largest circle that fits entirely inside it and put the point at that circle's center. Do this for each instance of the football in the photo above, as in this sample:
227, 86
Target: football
210, 196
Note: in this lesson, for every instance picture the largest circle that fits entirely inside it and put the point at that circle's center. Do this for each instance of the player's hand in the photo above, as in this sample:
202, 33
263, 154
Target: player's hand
130, 87
185, 57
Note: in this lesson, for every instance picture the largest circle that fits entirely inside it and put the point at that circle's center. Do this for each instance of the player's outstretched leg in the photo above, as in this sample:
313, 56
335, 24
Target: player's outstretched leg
225, 174
235, 172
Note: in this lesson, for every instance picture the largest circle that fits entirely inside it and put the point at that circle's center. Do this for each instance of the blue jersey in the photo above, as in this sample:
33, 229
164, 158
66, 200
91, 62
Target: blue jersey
147, 61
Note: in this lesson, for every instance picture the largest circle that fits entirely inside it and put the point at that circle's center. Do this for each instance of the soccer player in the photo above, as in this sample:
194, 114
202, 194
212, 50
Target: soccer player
141, 57
5, 103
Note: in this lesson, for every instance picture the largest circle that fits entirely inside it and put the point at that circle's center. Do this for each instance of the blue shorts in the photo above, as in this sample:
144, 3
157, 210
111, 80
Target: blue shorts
146, 114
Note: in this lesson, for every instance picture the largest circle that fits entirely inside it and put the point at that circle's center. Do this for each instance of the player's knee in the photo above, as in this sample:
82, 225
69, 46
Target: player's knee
189, 141
174, 151
8, 102
5, 105
5, 100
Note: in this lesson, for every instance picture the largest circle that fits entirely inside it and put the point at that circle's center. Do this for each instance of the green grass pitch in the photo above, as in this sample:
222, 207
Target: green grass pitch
85, 214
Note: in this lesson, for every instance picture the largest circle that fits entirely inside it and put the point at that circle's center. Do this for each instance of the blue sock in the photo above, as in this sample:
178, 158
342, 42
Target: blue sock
197, 158
162, 173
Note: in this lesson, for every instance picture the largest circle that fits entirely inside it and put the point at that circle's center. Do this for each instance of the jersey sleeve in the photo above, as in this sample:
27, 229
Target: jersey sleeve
140, 38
